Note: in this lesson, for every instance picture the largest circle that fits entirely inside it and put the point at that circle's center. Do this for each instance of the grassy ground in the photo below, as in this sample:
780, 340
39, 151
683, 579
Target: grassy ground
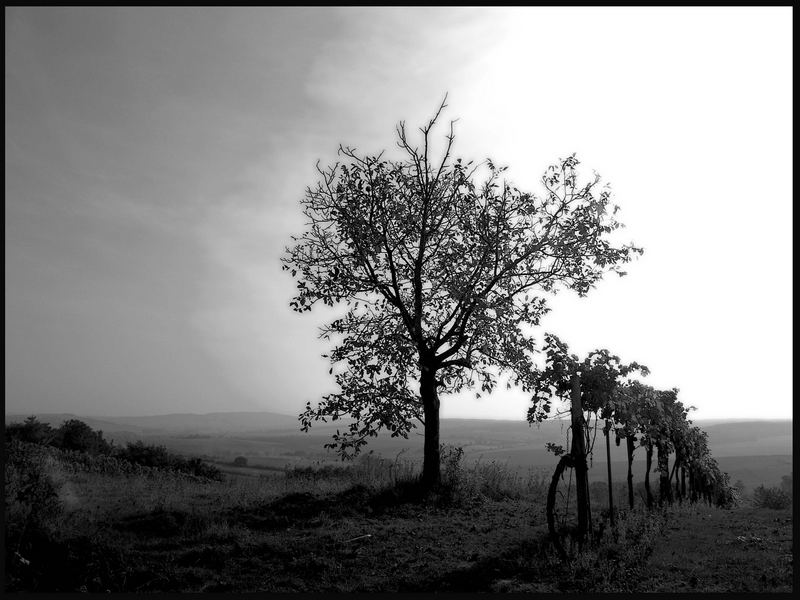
738, 550
365, 529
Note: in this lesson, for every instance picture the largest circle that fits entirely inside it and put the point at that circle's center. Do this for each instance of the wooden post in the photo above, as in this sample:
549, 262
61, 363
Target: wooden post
683, 481
629, 444
579, 455
607, 432
648, 457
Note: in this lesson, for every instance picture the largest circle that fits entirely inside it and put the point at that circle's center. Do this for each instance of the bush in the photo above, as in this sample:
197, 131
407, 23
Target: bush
30, 494
32, 507
492, 481
196, 466
240, 461
772, 497
159, 457
31, 431
77, 435
146, 455
319, 472
616, 562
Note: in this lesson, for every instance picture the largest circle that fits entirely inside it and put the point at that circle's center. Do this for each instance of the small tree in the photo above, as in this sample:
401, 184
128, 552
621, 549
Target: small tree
74, 434
240, 461
696, 451
591, 385
680, 442
654, 436
672, 420
603, 377
633, 400
439, 271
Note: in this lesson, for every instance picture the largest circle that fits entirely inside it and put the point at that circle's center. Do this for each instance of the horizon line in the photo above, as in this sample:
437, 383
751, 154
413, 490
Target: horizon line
252, 412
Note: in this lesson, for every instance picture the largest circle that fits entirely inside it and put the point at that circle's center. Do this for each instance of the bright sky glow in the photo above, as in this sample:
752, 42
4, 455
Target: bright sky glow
155, 158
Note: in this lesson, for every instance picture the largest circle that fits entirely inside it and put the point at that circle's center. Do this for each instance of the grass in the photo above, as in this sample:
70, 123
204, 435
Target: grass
357, 527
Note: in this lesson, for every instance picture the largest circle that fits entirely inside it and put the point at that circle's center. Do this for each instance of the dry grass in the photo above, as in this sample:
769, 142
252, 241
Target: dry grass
362, 527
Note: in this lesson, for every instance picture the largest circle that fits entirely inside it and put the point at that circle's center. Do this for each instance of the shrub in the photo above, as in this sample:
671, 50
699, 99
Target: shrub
31, 430
450, 461
772, 497
240, 461
31, 497
159, 457
481, 481
196, 466
77, 435
616, 562
319, 472
32, 506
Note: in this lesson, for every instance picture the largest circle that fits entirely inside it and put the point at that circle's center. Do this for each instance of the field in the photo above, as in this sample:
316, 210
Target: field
754, 452
362, 528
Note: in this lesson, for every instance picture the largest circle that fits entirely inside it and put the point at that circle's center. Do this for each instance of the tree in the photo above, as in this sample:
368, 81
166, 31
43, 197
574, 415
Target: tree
240, 461
438, 265
591, 385
633, 401
652, 427
680, 442
673, 419
603, 373
74, 434
696, 450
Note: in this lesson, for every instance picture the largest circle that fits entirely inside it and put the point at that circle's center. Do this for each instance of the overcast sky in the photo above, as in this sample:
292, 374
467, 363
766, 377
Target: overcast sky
155, 158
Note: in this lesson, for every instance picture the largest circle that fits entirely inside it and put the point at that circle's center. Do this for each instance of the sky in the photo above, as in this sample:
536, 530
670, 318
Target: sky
155, 159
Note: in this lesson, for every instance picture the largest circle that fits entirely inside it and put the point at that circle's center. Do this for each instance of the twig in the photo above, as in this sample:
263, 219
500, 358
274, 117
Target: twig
360, 537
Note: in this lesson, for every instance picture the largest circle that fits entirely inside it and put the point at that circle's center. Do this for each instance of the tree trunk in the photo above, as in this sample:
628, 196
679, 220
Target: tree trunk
629, 442
431, 471
683, 481
566, 461
607, 431
674, 489
649, 467
664, 489
579, 456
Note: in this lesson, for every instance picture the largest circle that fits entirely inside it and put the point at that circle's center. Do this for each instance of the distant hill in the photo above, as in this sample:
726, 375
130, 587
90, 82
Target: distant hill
750, 438
212, 423
219, 422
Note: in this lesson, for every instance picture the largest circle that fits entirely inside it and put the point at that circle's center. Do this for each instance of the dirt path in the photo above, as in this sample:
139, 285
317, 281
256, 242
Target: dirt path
712, 550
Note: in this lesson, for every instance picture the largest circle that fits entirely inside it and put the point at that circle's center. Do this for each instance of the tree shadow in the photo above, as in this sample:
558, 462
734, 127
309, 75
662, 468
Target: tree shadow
530, 563
304, 509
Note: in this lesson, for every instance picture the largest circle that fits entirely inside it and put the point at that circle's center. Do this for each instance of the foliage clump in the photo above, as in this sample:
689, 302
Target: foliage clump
155, 456
32, 506
73, 434
771, 497
83, 445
